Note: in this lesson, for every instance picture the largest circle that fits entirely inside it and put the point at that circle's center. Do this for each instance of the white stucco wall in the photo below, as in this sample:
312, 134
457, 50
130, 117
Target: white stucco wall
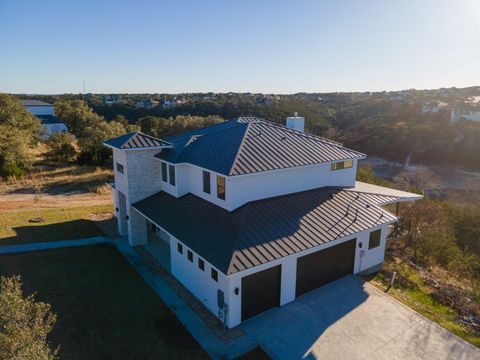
245, 188
54, 128
198, 282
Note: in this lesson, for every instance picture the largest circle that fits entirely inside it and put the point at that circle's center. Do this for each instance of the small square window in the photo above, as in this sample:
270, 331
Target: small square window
180, 248
190, 255
214, 274
119, 168
374, 240
201, 264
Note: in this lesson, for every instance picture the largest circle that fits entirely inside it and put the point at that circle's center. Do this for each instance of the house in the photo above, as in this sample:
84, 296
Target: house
465, 111
110, 100
434, 107
248, 214
147, 104
46, 114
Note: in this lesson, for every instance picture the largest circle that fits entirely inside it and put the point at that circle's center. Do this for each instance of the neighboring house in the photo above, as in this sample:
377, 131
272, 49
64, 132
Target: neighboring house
465, 112
169, 104
434, 107
46, 114
249, 214
110, 100
147, 104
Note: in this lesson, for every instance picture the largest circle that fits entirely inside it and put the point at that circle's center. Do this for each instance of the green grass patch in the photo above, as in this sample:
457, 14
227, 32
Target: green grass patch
104, 308
410, 289
60, 224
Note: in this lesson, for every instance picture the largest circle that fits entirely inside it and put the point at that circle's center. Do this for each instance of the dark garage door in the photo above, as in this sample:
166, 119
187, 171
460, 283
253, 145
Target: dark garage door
322, 267
261, 291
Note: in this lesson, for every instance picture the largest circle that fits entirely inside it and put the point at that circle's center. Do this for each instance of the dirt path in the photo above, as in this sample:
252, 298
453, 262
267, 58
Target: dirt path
12, 202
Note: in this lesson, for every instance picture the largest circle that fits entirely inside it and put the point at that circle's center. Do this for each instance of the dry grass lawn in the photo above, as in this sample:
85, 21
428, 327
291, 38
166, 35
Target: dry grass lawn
104, 308
63, 223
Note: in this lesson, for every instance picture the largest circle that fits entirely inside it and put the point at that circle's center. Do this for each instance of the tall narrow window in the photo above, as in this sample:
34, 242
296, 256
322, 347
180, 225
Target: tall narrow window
171, 173
206, 182
221, 187
164, 172
374, 240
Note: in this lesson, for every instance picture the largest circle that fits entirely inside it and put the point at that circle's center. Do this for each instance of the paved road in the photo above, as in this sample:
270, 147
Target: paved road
350, 319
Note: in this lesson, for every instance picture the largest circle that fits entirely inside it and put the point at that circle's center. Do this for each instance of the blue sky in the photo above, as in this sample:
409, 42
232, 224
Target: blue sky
276, 46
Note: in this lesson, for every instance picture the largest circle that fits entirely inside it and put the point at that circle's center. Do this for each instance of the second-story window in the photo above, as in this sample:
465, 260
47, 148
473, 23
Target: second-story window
206, 182
171, 173
342, 165
221, 187
164, 172
119, 168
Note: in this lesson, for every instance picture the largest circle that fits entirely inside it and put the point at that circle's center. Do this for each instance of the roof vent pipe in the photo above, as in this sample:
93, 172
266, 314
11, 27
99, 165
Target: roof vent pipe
296, 123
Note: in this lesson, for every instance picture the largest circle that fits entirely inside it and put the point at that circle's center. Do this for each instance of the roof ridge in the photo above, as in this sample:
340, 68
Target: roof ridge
239, 148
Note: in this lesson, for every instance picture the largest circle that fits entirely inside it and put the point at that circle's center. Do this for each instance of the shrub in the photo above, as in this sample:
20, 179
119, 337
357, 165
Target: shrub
62, 147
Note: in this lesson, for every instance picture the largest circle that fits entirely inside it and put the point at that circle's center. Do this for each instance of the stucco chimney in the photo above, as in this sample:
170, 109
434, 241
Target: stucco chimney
296, 122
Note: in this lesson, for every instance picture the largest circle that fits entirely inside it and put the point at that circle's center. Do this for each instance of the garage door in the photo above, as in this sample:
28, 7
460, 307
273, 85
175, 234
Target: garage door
261, 291
322, 267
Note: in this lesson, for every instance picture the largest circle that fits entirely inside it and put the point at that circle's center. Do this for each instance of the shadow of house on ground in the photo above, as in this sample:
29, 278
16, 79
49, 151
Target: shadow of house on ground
41, 232
292, 330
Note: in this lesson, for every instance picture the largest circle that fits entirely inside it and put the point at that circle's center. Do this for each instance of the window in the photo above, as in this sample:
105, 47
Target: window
190, 255
221, 187
206, 182
201, 264
342, 165
164, 172
180, 248
214, 275
374, 240
119, 168
171, 172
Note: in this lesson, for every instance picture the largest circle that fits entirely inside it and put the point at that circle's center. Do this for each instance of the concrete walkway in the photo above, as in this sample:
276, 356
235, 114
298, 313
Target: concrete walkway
351, 319
11, 249
207, 339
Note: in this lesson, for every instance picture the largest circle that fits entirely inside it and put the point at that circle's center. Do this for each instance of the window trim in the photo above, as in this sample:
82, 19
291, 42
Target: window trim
179, 248
164, 172
377, 242
120, 168
190, 255
172, 174
207, 181
201, 264
221, 195
214, 274
340, 165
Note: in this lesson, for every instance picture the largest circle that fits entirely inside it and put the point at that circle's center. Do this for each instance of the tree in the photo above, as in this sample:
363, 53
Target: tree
24, 323
77, 115
62, 147
93, 151
19, 131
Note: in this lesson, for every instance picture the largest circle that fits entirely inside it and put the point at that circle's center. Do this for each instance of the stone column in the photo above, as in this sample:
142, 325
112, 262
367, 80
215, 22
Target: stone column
137, 228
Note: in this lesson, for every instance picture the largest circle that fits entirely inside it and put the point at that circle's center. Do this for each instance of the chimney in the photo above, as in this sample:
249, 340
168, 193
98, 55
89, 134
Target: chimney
296, 122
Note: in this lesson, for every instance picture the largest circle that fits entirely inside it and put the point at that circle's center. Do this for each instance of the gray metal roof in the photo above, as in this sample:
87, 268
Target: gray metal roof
34, 103
49, 119
136, 140
265, 230
249, 145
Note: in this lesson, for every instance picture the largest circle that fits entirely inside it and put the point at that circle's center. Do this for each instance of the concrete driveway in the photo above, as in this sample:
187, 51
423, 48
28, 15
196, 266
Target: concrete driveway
350, 319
